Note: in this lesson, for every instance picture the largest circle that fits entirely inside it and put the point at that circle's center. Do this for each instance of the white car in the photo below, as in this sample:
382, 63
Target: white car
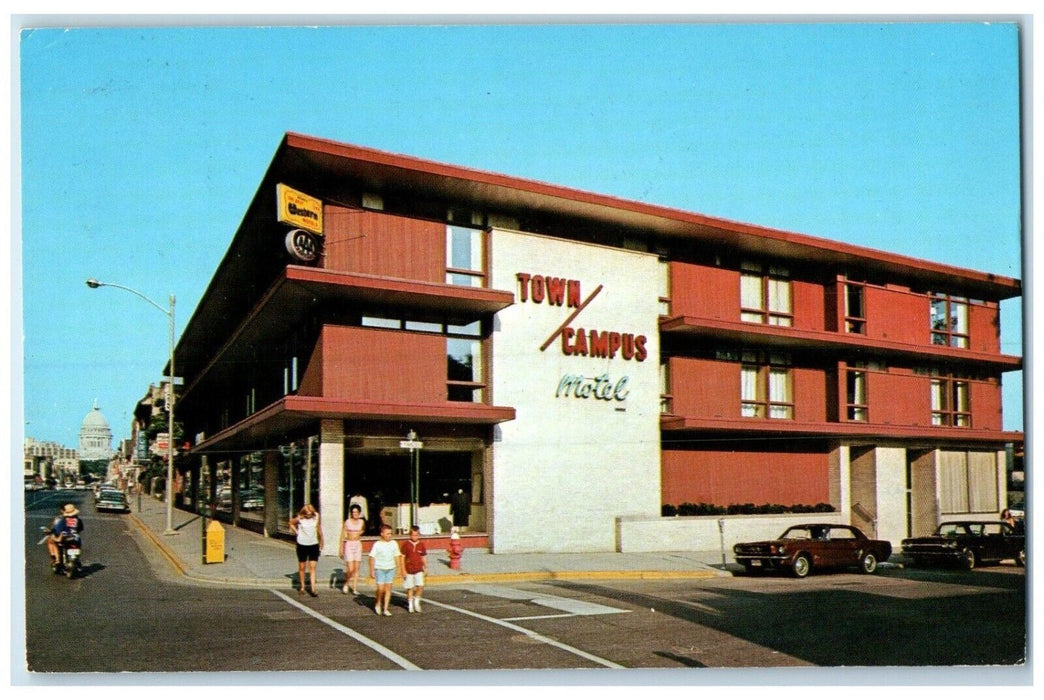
1017, 509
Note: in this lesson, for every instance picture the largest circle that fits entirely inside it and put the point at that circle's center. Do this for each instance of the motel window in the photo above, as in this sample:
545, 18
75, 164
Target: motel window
949, 318
290, 376
951, 403
765, 295
766, 386
967, 482
465, 256
464, 369
855, 308
855, 395
380, 322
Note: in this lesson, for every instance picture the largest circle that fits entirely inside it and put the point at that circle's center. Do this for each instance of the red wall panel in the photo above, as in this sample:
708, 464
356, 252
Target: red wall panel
704, 291
705, 388
311, 383
984, 328
808, 305
373, 364
897, 316
375, 243
986, 406
726, 477
899, 399
810, 394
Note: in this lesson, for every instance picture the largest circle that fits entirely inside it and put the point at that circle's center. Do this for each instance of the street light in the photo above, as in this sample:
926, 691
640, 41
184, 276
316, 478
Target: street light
94, 284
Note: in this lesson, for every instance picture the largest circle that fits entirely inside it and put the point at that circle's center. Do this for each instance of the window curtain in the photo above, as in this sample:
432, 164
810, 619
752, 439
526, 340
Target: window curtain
959, 325
953, 482
779, 295
749, 391
779, 392
750, 291
982, 482
938, 402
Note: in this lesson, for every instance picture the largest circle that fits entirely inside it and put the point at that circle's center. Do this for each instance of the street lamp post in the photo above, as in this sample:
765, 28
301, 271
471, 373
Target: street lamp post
94, 284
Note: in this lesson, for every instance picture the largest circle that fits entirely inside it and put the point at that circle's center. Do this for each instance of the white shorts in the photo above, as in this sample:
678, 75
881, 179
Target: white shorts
413, 580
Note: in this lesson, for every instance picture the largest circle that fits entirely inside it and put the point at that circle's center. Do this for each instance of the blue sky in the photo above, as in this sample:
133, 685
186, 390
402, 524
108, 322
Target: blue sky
141, 149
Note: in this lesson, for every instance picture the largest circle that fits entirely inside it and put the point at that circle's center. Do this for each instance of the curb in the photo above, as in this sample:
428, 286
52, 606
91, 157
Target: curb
173, 559
442, 579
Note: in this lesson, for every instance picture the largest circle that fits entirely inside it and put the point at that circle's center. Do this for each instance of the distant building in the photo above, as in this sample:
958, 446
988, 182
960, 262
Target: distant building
95, 437
49, 460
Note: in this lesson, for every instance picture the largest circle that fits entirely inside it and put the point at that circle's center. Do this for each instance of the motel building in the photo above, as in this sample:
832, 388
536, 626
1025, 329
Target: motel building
553, 370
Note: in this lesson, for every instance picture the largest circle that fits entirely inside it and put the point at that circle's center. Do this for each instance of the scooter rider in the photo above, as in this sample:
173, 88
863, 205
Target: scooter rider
67, 524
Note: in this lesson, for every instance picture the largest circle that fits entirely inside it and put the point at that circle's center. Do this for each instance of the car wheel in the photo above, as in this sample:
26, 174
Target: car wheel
869, 563
968, 559
1020, 560
801, 566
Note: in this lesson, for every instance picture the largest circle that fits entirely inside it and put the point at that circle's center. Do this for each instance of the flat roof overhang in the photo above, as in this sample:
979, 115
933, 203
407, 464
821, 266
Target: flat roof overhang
787, 338
300, 290
294, 413
686, 428
308, 159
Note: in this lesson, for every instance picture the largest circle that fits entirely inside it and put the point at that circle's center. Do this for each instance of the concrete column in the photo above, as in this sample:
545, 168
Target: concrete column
331, 481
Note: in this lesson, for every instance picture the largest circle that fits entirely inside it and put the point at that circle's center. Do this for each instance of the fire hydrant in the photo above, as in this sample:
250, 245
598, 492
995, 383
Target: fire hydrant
456, 548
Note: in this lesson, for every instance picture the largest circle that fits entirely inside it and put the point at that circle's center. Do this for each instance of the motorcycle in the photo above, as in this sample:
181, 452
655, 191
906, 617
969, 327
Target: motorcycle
69, 553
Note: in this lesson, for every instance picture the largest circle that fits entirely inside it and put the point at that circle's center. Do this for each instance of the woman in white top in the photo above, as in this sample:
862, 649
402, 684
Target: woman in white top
309, 543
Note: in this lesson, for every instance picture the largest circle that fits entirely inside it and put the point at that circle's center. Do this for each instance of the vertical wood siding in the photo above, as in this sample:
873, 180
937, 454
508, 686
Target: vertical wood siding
375, 243
372, 364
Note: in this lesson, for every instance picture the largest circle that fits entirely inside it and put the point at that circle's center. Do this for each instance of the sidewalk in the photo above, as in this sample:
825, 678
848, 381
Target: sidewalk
254, 560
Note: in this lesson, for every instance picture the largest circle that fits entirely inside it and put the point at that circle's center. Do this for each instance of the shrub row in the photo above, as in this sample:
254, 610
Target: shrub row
668, 510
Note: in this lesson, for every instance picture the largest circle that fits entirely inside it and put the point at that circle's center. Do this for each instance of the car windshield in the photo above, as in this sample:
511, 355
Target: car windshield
797, 533
952, 529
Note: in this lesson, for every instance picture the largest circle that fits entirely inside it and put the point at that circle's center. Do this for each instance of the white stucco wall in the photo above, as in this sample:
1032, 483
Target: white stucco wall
568, 466
705, 534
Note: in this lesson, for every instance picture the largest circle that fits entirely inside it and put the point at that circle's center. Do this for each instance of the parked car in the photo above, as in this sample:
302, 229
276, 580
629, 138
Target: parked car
968, 544
1018, 510
112, 500
802, 548
105, 488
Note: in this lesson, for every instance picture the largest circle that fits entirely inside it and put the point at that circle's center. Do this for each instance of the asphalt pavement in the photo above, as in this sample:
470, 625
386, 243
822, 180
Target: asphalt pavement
250, 559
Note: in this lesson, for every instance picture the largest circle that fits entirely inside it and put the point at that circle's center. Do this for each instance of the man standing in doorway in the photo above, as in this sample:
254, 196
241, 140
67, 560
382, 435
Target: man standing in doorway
460, 508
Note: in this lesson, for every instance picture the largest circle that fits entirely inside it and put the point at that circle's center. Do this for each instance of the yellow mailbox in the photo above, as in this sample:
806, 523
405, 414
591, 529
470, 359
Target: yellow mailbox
215, 543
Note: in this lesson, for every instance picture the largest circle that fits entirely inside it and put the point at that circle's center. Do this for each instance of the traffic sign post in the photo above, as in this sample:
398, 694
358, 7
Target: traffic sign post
414, 445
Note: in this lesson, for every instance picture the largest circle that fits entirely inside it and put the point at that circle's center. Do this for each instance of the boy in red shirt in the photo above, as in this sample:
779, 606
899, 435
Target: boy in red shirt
415, 558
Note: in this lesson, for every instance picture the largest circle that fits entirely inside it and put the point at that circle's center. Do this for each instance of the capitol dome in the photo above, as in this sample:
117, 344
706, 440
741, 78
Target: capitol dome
95, 436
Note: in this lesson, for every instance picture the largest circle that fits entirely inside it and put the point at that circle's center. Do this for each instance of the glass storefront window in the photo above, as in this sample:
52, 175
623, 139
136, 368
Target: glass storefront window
298, 476
251, 487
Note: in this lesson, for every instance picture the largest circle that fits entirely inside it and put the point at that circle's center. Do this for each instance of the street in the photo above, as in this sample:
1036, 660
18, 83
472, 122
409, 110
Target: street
129, 612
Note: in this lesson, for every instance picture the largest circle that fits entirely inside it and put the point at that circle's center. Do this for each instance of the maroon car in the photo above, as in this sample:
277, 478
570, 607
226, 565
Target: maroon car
802, 548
